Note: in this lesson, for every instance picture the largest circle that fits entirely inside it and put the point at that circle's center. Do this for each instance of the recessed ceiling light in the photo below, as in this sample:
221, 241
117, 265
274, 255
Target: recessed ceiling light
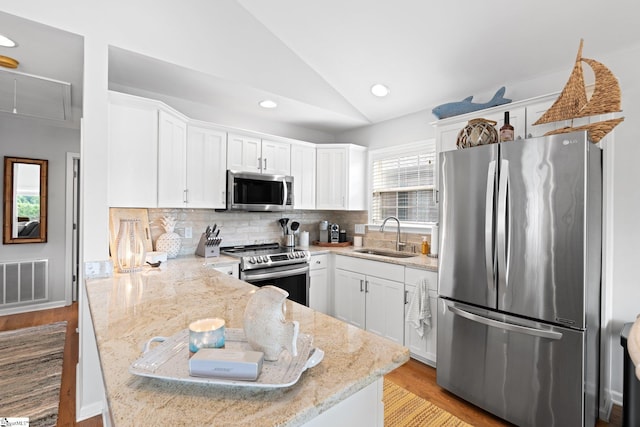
6, 41
267, 103
379, 90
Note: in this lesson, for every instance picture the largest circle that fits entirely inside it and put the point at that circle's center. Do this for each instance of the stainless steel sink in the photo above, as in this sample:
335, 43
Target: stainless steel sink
383, 252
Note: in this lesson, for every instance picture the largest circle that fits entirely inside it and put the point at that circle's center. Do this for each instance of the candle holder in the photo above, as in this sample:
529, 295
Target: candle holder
130, 250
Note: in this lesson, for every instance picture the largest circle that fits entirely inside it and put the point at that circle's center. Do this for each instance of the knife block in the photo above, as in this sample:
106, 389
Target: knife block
207, 251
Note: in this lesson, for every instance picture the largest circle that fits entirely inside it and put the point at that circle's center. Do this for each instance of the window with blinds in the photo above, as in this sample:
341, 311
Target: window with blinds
403, 183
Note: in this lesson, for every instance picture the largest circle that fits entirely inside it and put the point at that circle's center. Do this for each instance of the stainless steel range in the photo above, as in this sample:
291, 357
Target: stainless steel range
272, 264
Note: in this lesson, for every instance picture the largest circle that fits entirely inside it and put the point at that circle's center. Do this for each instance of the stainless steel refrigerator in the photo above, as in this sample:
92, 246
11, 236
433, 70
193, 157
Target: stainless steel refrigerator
519, 278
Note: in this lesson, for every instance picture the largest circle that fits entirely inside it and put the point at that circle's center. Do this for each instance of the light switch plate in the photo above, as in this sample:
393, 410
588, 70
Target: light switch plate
360, 228
188, 232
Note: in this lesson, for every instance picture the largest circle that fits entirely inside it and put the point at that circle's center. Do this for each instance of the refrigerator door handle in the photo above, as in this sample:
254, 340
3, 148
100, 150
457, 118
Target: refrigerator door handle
488, 225
552, 335
503, 184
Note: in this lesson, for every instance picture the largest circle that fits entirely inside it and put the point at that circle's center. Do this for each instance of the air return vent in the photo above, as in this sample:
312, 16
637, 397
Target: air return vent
24, 282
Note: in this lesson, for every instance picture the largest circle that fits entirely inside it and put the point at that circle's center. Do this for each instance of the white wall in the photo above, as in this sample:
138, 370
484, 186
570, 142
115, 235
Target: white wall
22, 137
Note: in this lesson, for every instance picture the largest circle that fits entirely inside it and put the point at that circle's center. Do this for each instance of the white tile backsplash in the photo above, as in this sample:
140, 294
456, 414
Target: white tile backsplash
239, 228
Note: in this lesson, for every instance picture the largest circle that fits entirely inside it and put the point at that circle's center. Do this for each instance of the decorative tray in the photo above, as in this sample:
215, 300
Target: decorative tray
169, 360
329, 244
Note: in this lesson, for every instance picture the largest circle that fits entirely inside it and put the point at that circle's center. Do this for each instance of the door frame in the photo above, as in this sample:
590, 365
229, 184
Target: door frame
72, 221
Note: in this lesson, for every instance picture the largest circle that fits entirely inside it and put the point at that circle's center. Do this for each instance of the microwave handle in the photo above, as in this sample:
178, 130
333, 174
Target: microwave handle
286, 192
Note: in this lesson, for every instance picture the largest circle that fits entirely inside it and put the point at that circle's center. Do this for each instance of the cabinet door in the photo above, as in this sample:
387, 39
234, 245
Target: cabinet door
331, 178
385, 308
303, 170
447, 136
172, 154
276, 157
206, 168
319, 290
349, 302
243, 153
422, 348
133, 156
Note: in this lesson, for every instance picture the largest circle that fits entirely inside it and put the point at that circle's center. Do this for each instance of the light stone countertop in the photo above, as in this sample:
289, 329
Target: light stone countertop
418, 261
129, 309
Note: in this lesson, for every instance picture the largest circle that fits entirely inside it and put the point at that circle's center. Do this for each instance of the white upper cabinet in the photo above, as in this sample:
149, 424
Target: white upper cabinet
243, 153
303, 170
132, 152
276, 157
206, 167
172, 158
341, 177
191, 165
252, 154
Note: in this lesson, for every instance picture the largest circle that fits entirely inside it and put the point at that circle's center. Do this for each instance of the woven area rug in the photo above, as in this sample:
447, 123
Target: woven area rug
404, 409
31, 372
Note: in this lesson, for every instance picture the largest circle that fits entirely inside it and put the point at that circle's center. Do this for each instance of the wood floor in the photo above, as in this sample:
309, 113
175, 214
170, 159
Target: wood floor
420, 379
414, 376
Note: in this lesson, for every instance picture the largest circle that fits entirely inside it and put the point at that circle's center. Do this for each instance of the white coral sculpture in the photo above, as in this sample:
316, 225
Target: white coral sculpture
168, 223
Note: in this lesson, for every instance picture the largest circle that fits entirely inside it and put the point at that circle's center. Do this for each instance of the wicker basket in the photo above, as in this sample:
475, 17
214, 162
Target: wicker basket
477, 132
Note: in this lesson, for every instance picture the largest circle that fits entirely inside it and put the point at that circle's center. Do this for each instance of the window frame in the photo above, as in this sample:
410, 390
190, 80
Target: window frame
399, 150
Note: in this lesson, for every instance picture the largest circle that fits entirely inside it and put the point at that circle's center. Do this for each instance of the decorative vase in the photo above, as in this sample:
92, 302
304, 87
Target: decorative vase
265, 326
169, 242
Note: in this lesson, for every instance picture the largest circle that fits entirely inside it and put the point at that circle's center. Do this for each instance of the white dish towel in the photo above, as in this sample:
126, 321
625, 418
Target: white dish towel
419, 313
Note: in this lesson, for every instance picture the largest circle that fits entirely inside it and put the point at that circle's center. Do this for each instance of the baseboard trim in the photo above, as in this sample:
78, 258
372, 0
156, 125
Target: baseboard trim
89, 411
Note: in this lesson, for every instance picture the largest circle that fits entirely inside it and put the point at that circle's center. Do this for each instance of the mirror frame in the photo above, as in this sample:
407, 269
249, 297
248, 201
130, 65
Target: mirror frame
9, 162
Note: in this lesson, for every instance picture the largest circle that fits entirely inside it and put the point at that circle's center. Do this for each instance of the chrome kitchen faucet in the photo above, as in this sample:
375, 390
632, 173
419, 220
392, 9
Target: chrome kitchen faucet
399, 244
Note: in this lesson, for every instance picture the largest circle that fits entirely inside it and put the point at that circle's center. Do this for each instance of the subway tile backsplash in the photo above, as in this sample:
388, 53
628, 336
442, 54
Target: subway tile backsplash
241, 228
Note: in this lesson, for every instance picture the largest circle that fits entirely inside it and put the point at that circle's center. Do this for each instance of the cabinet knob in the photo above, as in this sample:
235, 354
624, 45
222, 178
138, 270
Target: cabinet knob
318, 262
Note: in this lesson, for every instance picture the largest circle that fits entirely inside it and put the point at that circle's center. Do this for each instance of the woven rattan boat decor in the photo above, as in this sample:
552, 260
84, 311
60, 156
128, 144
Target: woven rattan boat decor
572, 102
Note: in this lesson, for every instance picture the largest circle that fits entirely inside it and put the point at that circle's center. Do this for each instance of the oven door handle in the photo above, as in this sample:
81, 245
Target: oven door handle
275, 275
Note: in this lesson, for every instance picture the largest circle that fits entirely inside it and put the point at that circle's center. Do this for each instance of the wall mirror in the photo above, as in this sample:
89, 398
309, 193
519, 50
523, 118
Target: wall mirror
25, 200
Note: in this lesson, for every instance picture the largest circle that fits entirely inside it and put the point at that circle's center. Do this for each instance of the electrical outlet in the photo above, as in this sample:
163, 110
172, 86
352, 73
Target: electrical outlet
188, 232
359, 229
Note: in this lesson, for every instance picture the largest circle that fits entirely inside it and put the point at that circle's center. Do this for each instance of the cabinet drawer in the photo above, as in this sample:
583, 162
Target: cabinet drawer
318, 261
231, 270
383, 270
413, 275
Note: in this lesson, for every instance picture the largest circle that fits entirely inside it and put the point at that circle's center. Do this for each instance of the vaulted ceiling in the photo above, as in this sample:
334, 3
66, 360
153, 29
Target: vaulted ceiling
318, 60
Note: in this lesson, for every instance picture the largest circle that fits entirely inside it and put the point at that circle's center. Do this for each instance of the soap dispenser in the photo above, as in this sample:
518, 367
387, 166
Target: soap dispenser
425, 245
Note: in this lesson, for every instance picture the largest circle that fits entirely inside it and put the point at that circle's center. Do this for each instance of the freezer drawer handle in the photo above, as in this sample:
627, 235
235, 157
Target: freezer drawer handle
506, 326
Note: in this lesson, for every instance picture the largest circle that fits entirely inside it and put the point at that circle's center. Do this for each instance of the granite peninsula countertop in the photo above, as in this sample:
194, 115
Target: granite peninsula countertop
129, 309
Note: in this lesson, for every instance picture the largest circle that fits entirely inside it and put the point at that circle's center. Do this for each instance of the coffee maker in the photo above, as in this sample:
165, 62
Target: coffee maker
334, 233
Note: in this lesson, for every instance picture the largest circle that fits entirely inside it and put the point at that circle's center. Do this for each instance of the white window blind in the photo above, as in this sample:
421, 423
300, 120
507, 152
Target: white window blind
403, 183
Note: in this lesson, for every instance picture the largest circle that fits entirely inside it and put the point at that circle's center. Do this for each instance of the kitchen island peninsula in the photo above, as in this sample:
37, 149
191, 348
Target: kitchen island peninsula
129, 309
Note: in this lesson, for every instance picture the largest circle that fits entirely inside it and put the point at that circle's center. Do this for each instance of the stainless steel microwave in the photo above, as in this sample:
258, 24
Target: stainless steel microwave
248, 191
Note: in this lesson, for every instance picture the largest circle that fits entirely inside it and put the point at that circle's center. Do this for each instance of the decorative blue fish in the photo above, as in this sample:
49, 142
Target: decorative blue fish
451, 109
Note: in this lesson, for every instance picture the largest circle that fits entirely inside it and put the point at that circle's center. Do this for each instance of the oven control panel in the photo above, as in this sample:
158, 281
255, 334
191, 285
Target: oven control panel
274, 260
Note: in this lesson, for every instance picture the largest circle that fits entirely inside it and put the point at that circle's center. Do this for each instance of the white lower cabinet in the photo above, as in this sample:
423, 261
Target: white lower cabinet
422, 348
370, 295
319, 284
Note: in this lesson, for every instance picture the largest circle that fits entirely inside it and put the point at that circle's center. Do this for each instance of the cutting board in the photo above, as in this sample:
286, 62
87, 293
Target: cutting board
116, 214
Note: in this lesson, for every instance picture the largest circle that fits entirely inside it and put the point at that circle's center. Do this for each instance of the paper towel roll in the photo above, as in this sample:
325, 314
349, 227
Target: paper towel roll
434, 240
303, 239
